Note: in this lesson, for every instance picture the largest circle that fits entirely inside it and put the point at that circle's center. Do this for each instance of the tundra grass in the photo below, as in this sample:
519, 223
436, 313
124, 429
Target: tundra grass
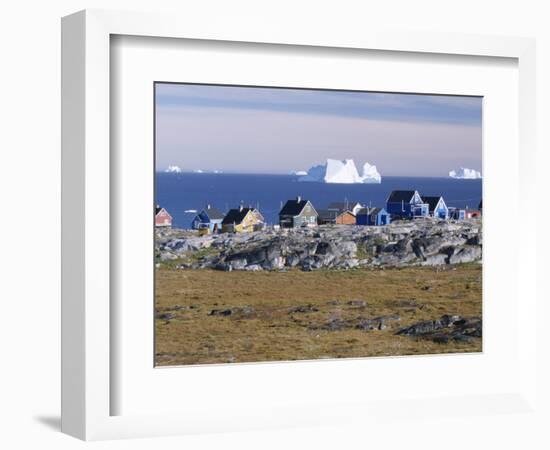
272, 330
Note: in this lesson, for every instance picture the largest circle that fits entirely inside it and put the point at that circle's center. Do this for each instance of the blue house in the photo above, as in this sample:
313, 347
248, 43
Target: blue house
373, 216
209, 218
407, 204
457, 213
437, 206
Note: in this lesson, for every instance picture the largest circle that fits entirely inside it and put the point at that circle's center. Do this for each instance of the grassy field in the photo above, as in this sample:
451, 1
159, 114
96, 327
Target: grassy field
284, 315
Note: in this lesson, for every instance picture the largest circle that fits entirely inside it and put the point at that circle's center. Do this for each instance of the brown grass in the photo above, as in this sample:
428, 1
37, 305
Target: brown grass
272, 332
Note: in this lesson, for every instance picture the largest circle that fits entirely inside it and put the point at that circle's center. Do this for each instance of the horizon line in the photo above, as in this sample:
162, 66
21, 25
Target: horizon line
206, 172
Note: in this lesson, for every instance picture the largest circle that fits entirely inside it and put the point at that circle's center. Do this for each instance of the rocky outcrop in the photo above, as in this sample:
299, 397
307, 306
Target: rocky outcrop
421, 242
445, 329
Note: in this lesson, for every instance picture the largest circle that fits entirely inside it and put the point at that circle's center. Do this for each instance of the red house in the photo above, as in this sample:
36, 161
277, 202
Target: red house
162, 218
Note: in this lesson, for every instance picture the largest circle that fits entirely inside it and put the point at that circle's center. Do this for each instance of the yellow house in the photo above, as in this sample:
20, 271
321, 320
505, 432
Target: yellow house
241, 220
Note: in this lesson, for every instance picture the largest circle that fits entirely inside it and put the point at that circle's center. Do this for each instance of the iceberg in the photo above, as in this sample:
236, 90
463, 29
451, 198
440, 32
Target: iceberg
173, 169
465, 174
299, 173
342, 171
198, 171
370, 174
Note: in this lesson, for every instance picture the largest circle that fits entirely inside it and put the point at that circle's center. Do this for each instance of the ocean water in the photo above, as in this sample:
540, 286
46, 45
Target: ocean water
180, 192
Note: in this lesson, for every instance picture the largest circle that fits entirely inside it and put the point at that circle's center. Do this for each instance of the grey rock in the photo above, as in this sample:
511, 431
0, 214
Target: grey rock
377, 323
465, 255
166, 316
424, 241
358, 303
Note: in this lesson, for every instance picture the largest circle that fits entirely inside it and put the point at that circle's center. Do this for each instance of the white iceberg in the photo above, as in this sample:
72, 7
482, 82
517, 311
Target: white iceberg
370, 174
299, 173
345, 172
198, 171
173, 169
465, 174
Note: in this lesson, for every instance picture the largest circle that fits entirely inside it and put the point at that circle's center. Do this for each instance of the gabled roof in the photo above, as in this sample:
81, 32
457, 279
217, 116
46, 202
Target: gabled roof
401, 196
236, 215
212, 213
372, 212
432, 201
159, 209
293, 207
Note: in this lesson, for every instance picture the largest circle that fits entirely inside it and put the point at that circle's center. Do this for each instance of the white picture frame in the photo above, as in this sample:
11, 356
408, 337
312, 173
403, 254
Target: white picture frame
87, 325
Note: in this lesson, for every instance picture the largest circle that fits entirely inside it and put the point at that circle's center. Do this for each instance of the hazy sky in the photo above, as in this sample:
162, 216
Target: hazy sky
266, 130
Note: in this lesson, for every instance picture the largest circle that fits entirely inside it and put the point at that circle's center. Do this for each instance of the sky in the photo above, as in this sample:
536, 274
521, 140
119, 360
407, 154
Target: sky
280, 130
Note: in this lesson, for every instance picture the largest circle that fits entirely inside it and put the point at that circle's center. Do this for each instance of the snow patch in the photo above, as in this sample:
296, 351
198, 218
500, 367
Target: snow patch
465, 174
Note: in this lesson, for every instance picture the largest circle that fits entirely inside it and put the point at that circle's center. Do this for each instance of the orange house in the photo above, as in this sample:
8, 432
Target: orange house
327, 217
345, 218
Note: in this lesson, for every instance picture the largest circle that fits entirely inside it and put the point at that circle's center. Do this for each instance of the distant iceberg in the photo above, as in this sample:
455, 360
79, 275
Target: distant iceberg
173, 169
198, 171
465, 174
370, 174
345, 172
298, 173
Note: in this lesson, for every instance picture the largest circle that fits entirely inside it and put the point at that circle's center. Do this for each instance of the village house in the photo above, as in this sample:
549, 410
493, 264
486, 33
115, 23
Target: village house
334, 217
437, 206
242, 219
406, 204
298, 213
354, 207
162, 218
209, 220
373, 217
457, 213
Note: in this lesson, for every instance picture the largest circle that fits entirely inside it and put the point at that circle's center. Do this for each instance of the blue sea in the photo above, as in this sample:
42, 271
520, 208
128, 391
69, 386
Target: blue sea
181, 192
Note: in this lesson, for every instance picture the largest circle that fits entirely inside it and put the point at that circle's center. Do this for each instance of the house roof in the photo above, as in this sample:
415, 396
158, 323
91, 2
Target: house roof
329, 214
293, 207
326, 214
372, 212
213, 213
159, 209
432, 201
236, 215
401, 196
342, 206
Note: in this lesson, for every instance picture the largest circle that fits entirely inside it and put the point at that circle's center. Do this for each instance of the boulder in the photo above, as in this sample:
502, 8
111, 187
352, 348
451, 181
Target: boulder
465, 255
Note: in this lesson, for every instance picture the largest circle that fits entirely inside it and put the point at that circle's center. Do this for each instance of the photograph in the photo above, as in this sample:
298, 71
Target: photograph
297, 224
